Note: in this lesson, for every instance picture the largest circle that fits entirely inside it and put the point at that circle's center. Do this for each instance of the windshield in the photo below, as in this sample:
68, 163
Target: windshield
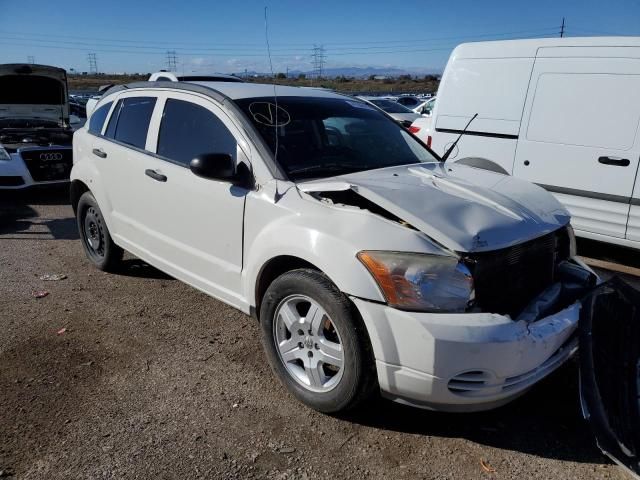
321, 137
390, 107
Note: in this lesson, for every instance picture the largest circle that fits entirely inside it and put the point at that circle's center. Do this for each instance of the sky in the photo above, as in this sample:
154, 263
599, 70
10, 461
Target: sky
229, 36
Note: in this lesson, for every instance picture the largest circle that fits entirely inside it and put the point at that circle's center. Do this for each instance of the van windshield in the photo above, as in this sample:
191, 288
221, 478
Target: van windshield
320, 137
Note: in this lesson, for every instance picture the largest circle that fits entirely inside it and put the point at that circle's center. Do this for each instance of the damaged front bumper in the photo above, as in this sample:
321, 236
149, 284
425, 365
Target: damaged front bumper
464, 362
476, 361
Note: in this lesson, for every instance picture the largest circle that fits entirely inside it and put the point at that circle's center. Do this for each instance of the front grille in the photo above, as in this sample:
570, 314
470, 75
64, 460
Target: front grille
48, 165
506, 280
11, 181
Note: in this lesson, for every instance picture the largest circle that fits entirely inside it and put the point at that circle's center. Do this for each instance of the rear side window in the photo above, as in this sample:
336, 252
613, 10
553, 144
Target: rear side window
188, 130
98, 117
130, 120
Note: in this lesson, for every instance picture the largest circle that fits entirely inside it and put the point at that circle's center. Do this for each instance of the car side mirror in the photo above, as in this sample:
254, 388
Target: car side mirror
214, 166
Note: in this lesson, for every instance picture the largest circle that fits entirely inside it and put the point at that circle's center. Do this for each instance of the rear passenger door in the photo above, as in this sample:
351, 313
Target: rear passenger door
119, 153
193, 225
579, 133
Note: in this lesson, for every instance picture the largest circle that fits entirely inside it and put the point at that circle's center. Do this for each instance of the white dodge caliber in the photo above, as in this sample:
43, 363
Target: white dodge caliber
369, 264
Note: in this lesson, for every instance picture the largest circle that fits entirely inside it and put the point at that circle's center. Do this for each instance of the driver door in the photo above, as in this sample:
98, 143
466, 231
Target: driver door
193, 225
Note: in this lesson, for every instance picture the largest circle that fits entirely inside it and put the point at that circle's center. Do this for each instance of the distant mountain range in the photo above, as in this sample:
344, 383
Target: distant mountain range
354, 72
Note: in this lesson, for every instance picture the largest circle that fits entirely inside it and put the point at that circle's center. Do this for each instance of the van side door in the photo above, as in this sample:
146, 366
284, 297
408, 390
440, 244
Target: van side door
579, 133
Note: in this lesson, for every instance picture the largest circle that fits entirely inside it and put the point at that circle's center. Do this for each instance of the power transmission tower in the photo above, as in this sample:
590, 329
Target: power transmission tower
172, 61
562, 28
31, 59
318, 59
93, 63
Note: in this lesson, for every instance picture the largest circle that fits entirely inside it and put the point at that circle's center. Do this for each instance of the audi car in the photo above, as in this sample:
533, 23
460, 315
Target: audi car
35, 130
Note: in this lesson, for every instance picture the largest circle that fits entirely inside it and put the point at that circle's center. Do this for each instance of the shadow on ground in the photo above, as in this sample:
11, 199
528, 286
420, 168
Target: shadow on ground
134, 267
18, 215
545, 422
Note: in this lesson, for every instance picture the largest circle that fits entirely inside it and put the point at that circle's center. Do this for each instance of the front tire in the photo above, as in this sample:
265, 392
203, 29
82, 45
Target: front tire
96, 240
316, 342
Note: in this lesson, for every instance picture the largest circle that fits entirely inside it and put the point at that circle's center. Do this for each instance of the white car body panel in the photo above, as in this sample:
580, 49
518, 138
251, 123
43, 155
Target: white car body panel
536, 111
219, 239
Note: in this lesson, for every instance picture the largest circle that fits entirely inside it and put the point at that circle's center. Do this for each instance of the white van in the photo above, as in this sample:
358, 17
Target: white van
563, 113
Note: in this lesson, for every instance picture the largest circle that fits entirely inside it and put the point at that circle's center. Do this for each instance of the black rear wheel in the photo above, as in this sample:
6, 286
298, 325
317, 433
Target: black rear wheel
94, 234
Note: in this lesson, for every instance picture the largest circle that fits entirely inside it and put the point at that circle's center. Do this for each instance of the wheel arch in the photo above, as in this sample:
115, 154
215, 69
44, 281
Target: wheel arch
76, 189
271, 270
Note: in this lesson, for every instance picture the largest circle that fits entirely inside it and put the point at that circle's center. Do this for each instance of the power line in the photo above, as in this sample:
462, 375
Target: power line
93, 63
172, 61
378, 51
562, 28
122, 43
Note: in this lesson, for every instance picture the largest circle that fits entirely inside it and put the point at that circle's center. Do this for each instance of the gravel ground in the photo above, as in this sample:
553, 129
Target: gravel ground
137, 375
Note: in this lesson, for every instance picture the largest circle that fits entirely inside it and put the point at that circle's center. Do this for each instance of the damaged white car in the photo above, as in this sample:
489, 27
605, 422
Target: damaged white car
35, 133
369, 263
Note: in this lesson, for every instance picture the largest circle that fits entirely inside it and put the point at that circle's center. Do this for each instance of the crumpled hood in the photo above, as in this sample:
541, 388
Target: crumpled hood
463, 208
33, 92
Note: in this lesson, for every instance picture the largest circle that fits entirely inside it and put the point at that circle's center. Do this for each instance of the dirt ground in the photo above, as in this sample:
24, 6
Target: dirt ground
137, 375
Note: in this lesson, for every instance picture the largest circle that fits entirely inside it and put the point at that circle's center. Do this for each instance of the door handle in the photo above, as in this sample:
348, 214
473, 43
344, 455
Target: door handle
619, 162
99, 153
155, 175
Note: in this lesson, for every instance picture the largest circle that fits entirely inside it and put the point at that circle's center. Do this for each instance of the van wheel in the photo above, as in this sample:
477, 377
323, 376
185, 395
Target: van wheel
316, 343
95, 237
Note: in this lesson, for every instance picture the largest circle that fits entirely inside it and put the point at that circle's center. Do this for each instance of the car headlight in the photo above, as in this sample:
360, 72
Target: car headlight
4, 155
420, 282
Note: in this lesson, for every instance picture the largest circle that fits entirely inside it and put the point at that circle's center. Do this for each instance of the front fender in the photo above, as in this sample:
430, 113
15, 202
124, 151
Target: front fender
327, 236
334, 256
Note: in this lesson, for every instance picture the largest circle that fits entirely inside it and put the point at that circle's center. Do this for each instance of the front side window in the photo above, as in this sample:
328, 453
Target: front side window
98, 117
130, 120
319, 137
188, 130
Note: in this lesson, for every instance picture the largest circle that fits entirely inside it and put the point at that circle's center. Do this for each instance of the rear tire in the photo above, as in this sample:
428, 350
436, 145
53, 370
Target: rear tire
316, 342
96, 240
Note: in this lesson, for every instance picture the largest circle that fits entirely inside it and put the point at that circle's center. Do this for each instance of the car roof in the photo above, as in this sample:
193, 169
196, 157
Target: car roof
228, 90
237, 91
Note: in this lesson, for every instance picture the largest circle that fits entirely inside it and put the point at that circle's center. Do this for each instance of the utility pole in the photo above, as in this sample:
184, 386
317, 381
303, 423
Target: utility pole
31, 59
562, 28
287, 74
93, 63
172, 61
318, 59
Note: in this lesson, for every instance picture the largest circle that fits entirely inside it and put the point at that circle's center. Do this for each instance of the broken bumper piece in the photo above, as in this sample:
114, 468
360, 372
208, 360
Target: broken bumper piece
610, 370
464, 362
